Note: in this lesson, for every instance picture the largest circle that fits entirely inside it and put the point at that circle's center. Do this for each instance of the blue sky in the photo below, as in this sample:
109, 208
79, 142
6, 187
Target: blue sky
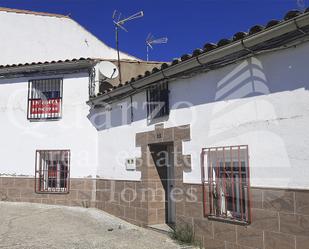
188, 24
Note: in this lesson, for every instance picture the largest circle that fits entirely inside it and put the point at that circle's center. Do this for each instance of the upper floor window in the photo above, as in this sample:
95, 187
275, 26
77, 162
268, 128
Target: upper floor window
157, 101
52, 171
228, 183
45, 99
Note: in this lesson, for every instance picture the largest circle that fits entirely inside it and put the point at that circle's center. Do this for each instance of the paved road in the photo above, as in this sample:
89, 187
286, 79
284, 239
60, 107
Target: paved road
27, 225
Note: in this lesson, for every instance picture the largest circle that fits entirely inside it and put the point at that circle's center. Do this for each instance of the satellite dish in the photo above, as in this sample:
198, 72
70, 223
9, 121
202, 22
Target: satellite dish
107, 70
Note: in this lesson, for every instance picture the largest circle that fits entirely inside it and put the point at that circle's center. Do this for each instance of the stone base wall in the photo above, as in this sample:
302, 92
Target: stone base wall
130, 200
280, 220
21, 189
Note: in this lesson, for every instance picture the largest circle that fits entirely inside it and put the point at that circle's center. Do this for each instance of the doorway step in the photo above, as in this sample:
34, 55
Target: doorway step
161, 228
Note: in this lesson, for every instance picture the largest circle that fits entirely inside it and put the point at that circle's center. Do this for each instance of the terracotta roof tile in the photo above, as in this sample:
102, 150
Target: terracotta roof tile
209, 47
272, 23
223, 42
291, 14
43, 63
255, 29
239, 35
164, 66
197, 52
174, 62
185, 57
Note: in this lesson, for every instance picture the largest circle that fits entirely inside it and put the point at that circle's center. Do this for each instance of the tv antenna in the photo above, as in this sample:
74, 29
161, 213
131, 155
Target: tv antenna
150, 41
119, 24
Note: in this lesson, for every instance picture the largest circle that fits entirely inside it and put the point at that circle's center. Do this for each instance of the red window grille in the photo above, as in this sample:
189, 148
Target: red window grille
52, 171
226, 183
45, 99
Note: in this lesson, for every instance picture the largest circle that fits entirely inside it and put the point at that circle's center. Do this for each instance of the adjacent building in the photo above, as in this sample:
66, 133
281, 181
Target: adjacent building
49, 68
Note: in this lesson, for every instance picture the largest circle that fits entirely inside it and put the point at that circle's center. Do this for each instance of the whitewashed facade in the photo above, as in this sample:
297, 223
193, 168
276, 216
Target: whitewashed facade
261, 101
229, 155
32, 37
21, 137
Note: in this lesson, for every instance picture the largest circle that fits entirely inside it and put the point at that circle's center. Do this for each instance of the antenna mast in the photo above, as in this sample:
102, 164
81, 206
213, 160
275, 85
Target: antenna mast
150, 41
118, 22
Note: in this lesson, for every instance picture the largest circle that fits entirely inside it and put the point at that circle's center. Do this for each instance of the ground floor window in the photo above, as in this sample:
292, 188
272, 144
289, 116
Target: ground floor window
226, 180
52, 171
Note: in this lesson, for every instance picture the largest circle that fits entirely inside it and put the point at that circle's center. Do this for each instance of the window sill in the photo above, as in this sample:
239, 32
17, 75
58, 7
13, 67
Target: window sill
151, 121
44, 119
228, 220
52, 192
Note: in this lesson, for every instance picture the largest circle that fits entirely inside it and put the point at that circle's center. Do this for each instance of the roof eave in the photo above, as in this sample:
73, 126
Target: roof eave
234, 47
43, 67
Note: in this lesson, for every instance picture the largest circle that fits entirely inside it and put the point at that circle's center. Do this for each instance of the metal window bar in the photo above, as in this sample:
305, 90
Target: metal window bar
52, 171
157, 101
226, 181
45, 99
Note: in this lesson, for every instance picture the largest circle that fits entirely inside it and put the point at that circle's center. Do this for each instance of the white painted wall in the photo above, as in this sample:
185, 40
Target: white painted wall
20, 138
27, 38
262, 102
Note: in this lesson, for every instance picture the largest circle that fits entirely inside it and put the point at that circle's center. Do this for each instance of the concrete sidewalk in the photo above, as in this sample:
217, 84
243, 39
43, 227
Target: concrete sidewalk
27, 225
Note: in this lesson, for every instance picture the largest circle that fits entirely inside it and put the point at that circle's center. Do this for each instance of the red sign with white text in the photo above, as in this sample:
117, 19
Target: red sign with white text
45, 106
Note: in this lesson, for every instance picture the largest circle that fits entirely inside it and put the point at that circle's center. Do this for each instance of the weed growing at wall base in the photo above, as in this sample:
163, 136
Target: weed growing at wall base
184, 234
